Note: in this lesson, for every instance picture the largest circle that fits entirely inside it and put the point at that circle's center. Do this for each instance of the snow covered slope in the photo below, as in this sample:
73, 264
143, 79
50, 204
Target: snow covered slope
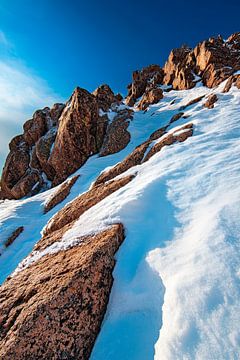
177, 278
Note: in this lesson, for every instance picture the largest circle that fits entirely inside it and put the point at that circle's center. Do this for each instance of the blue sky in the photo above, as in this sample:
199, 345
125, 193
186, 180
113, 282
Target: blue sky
49, 47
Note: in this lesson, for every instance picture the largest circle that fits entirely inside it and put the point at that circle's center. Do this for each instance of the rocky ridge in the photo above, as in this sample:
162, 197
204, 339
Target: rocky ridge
54, 304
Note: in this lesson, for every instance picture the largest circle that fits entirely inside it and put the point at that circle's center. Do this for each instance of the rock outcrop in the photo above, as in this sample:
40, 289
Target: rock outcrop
212, 98
117, 136
54, 308
58, 141
60, 194
147, 77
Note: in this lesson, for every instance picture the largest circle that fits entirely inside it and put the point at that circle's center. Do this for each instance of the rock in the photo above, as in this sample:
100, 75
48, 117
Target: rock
179, 135
13, 236
117, 137
179, 69
56, 112
211, 99
73, 210
192, 102
35, 128
232, 80
152, 74
158, 133
77, 136
54, 308
131, 160
176, 117
105, 97
60, 194
151, 96
15, 167
27, 162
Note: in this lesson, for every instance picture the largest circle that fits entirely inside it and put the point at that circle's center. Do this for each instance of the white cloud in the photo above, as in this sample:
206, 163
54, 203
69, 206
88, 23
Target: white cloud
21, 93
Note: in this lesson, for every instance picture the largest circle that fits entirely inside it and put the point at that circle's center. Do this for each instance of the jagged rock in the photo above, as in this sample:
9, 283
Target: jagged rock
60, 194
151, 96
27, 160
77, 136
212, 98
179, 135
56, 112
152, 74
105, 97
117, 137
13, 236
179, 69
233, 80
216, 60
54, 308
77, 207
35, 128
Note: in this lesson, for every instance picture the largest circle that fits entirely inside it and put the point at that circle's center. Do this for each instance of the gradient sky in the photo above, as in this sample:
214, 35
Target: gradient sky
48, 47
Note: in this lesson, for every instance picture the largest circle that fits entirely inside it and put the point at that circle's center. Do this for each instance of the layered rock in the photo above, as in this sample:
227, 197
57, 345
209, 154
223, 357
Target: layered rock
54, 308
179, 69
147, 77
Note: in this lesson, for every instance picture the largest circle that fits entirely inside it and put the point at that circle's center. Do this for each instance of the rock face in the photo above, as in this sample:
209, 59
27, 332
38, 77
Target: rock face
77, 136
179, 69
58, 141
117, 137
23, 172
147, 77
54, 308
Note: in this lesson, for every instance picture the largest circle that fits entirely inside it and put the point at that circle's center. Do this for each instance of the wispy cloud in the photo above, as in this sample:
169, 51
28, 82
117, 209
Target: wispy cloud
3, 40
21, 93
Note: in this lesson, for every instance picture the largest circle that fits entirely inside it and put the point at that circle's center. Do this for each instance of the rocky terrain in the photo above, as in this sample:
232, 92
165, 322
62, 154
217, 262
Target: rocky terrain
70, 174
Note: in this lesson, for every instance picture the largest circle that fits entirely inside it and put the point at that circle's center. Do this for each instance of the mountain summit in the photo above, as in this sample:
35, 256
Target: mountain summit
119, 218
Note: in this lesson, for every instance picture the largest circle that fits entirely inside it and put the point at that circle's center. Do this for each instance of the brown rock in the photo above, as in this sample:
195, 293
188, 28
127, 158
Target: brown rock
60, 194
77, 135
211, 99
131, 160
105, 97
152, 96
176, 117
14, 235
233, 80
192, 102
152, 74
117, 137
35, 128
56, 112
15, 168
179, 69
73, 210
171, 139
54, 308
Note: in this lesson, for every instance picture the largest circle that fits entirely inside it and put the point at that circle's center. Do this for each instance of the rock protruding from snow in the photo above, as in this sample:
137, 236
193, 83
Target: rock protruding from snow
117, 136
54, 309
146, 78
27, 164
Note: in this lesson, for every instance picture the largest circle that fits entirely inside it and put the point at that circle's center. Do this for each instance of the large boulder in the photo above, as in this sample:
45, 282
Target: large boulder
77, 135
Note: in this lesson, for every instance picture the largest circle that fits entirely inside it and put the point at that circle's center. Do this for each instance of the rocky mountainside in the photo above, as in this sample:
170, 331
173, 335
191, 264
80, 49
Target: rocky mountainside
151, 180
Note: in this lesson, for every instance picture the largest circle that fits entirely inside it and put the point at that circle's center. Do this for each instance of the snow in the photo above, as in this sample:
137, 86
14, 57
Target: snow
176, 291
